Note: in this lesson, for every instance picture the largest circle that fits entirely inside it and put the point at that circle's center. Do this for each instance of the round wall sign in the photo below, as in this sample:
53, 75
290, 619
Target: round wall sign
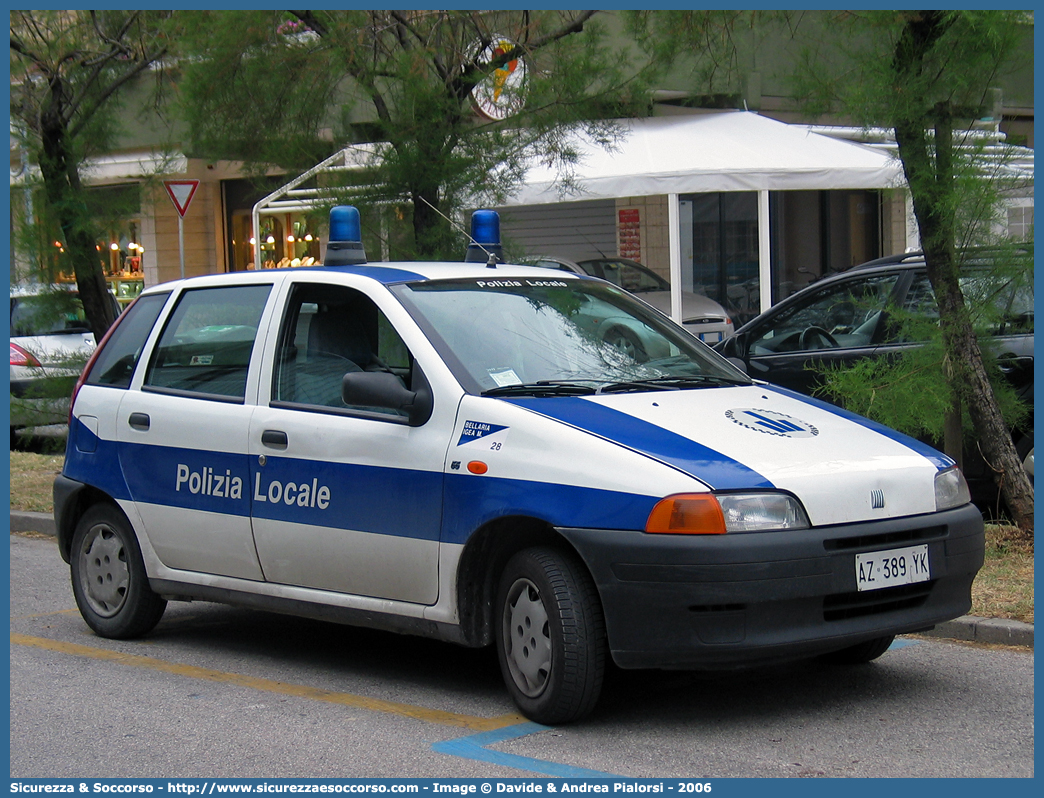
502, 93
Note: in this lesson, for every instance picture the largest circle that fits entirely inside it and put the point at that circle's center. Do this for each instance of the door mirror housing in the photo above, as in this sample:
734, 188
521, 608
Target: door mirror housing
733, 347
383, 389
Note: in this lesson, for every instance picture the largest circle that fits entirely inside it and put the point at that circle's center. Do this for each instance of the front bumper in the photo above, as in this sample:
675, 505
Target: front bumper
726, 601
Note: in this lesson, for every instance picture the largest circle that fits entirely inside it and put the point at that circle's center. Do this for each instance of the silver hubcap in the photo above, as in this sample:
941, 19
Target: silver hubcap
527, 638
624, 344
103, 570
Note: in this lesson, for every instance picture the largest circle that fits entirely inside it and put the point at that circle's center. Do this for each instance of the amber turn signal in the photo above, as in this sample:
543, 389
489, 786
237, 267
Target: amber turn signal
687, 514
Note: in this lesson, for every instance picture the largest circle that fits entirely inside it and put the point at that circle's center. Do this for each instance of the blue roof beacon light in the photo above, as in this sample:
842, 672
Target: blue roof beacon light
345, 247
485, 239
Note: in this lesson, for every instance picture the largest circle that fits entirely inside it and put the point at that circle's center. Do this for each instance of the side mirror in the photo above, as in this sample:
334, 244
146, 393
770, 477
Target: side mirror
733, 347
383, 389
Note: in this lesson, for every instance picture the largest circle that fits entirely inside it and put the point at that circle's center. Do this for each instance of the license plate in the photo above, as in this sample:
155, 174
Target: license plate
878, 569
710, 338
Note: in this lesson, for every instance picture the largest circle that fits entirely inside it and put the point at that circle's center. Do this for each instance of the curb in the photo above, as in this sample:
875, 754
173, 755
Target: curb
985, 630
33, 522
968, 628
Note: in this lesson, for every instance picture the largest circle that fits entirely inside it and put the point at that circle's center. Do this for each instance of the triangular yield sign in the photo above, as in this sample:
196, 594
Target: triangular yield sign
181, 193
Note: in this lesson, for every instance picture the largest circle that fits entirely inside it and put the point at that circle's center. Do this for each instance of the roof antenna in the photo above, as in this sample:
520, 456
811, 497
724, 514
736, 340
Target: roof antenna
484, 237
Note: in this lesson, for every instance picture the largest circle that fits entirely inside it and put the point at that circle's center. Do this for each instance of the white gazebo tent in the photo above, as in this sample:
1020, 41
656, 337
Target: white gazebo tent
712, 152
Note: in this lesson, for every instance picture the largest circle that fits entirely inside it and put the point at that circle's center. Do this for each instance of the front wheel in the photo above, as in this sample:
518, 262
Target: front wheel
550, 636
108, 576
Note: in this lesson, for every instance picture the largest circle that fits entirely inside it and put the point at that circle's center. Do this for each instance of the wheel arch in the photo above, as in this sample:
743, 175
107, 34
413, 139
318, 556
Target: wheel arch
71, 502
483, 559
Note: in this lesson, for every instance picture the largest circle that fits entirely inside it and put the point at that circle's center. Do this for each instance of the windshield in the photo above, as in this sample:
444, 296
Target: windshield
554, 336
629, 276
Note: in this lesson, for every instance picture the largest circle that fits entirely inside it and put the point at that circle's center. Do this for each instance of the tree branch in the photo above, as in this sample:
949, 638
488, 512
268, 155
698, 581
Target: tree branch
91, 109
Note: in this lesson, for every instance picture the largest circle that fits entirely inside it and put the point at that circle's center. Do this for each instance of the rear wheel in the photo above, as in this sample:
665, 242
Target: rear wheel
627, 343
108, 576
550, 636
863, 652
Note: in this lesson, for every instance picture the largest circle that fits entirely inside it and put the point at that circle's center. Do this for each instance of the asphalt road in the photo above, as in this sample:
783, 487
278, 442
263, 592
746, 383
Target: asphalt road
222, 692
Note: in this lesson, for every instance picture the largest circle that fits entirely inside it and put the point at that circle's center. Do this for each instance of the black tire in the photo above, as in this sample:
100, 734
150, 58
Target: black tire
863, 652
108, 576
550, 636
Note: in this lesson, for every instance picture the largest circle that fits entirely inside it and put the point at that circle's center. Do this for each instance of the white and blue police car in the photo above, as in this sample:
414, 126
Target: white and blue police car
464, 451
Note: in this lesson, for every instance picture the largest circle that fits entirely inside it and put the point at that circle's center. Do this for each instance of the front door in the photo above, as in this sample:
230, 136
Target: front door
344, 498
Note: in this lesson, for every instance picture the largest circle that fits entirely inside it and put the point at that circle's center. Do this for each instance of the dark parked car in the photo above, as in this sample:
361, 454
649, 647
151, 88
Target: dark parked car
849, 316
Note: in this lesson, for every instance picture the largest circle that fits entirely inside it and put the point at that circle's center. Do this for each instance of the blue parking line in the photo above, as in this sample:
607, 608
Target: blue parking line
901, 643
474, 747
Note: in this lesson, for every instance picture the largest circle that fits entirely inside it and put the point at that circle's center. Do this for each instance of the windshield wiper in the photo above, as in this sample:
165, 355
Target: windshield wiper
542, 388
672, 383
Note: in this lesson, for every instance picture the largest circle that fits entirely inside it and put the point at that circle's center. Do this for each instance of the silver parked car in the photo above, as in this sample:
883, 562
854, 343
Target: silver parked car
701, 316
50, 343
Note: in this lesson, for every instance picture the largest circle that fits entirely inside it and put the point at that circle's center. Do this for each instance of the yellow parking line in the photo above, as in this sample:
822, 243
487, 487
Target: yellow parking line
43, 615
271, 686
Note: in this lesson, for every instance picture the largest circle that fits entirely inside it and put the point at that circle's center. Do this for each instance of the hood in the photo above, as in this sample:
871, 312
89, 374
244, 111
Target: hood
694, 306
760, 437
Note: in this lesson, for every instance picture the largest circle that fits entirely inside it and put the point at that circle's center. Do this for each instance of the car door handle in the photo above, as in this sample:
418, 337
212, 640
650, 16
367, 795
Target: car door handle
139, 421
274, 439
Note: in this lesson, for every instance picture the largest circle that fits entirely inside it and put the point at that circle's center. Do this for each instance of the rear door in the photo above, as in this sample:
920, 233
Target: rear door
183, 434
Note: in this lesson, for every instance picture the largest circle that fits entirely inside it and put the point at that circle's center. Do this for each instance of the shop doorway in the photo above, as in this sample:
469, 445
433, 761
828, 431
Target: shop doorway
817, 233
719, 239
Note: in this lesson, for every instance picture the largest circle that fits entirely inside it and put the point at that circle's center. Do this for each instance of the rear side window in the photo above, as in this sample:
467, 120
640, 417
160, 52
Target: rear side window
116, 360
50, 313
206, 345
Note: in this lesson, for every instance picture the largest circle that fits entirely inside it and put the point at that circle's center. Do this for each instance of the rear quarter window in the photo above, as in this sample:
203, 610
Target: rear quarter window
206, 345
116, 361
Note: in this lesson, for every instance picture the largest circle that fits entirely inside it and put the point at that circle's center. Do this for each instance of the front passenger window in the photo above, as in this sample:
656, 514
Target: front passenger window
329, 331
844, 315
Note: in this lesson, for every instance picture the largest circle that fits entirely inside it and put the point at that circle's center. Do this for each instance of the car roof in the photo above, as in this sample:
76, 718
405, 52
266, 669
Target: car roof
970, 255
37, 289
388, 273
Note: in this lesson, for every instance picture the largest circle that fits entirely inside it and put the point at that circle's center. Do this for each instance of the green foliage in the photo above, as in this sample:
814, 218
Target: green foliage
68, 70
912, 391
285, 89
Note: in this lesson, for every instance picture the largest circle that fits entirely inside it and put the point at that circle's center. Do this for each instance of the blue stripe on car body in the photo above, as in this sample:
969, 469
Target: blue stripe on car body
375, 499
940, 460
715, 469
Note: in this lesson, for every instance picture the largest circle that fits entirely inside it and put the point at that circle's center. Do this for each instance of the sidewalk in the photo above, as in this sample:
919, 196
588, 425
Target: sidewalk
969, 627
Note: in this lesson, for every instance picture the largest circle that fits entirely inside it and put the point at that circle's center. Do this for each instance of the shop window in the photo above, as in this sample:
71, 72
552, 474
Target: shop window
724, 250
817, 233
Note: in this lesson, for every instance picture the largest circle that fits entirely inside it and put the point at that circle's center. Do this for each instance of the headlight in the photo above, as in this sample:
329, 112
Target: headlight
759, 512
710, 514
951, 490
